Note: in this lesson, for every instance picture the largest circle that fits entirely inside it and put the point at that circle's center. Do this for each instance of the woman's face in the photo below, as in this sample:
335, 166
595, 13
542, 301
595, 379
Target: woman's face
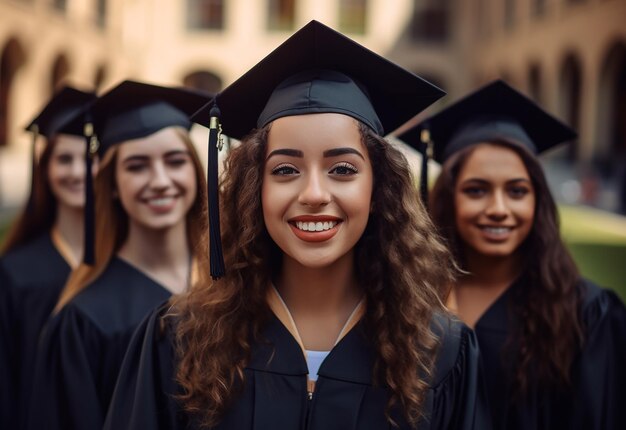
156, 179
494, 201
317, 187
66, 171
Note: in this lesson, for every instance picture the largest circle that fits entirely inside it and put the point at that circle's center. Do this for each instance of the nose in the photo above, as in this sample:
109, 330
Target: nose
78, 168
497, 209
315, 191
160, 179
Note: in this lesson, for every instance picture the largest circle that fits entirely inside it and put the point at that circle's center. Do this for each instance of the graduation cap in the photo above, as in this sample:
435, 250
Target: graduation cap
56, 118
131, 110
495, 112
317, 70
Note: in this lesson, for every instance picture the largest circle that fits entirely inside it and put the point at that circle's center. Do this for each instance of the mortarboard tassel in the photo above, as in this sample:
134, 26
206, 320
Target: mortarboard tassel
30, 206
215, 237
91, 148
427, 154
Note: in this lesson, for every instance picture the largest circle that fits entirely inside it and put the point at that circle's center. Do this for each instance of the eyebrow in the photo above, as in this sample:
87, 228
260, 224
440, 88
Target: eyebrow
341, 151
140, 157
329, 153
485, 181
285, 151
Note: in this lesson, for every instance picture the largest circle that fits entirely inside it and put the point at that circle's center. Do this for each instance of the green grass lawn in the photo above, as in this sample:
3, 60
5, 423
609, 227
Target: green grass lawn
597, 241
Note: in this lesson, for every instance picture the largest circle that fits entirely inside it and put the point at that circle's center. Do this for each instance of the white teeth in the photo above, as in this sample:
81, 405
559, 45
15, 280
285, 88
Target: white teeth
497, 230
315, 226
162, 201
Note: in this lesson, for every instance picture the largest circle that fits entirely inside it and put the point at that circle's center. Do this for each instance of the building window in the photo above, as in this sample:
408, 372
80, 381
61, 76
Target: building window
205, 14
509, 13
482, 20
101, 13
352, 16
534, 83
430, 21
60, 5
281, 15
539, 7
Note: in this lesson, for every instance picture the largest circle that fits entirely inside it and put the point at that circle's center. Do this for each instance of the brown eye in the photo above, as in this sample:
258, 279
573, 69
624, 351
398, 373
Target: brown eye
344, 169
284, 170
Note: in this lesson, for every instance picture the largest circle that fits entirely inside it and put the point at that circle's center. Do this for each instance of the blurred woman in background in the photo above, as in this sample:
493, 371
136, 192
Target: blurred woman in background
150, 224
553, 343
44, 244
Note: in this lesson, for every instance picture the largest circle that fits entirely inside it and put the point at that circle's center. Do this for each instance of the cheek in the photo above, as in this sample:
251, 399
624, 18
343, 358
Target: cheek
465, 208
268, 200
126, 186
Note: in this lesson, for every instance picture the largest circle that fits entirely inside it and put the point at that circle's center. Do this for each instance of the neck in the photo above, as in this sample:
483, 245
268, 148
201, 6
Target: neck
162, 254
319, 291
492, 272
69, 224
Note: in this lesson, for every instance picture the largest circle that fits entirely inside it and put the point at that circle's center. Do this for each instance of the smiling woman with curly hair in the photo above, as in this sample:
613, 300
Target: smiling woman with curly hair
328, 314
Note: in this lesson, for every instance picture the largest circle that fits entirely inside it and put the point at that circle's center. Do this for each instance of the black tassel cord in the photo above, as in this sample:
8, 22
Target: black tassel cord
91, 142
215, 237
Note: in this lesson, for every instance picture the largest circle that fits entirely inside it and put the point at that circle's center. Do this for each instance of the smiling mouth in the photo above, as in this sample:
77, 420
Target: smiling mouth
161, 202
496, 230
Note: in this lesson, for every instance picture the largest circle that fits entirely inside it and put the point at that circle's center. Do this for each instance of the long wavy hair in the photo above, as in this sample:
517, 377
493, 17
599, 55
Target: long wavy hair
548, 306
111, 228
401, 265
39, 218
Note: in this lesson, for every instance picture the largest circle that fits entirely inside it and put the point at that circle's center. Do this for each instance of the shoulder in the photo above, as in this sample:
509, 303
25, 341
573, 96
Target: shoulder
119, 298
35, 263
457, 347
599, 306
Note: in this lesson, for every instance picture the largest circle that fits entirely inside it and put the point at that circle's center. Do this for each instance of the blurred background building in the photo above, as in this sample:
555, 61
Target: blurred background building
569, 55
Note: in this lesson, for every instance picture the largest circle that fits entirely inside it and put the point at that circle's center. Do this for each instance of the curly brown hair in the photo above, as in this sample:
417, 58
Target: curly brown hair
401, 264
548, 307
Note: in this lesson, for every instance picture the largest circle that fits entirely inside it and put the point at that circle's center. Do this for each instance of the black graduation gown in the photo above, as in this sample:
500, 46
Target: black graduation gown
274, 395
597, 398
82, 348
31, 279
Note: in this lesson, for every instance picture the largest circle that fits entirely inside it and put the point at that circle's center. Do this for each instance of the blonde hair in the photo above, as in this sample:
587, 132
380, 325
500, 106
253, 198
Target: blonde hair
111, 227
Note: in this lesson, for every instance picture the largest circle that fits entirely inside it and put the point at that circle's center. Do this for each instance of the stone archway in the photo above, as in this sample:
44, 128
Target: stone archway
60, 71
12, 57
570, 91
611, 131
611, 117
100, 77
535, 83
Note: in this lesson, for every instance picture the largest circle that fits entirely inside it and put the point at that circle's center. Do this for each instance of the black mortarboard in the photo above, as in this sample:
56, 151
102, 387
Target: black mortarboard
132, 110
316, 70
495, 112
56, 117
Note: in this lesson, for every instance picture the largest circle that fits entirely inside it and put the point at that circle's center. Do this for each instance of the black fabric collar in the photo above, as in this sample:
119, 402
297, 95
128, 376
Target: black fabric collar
351, 360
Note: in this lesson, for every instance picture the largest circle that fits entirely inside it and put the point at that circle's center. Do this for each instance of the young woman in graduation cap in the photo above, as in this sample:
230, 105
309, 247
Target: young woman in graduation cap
553, 343
150, 208
327, 311
42, 246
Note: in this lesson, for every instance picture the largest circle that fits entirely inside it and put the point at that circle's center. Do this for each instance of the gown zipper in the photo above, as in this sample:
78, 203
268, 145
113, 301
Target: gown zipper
310, 390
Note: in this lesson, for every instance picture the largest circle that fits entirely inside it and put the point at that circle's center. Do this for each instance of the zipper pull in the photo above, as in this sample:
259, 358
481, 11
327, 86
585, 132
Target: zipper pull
309, 394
